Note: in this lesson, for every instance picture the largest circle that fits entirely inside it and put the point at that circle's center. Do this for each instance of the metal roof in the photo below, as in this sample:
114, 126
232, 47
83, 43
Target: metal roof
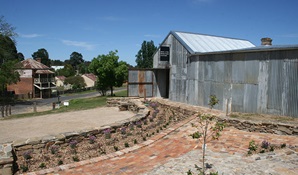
201, 43
32, 64
255, 49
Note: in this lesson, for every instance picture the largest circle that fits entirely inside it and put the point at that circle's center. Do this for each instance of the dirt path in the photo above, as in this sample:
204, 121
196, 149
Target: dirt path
52, 124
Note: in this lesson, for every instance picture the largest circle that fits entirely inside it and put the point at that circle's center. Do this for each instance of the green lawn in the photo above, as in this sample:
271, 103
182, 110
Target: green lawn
75, 105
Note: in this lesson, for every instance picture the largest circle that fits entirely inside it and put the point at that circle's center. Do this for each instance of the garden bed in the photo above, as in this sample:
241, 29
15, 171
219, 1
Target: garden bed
96, 143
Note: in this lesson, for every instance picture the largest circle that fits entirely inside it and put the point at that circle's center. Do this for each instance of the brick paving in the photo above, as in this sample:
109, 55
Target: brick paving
171, 143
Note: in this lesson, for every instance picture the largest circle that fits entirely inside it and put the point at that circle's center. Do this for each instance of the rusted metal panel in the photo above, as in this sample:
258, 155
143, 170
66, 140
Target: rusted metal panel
140, 83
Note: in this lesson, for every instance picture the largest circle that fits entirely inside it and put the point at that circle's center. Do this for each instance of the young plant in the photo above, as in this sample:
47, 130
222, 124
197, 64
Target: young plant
92, 139
73, 144
126, 145
107, 133
54, 149
42, 165
27, 154
208, 129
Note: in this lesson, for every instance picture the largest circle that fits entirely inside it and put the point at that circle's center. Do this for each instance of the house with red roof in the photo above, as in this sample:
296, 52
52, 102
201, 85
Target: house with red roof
36, 80
90, 80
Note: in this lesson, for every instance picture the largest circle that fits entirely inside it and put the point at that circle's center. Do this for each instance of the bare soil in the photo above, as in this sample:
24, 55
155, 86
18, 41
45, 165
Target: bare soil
265, 118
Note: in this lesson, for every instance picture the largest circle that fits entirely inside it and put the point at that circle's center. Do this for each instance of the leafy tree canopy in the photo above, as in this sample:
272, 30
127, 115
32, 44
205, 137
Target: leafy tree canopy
67, 71
57, 63
8, 50
109, 71
43, 55
144, 58
77, 82
8, 61
21, 57
76, 59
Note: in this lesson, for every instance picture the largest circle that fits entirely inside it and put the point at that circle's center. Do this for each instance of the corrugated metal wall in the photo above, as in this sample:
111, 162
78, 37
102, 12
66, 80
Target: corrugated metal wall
252, 82
257, 82
154, 81
139, 82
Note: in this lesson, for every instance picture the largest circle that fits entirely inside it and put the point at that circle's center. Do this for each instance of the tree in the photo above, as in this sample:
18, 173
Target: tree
67, 71
8, 50
144, 58
43, 55
7, 29
21, 57
77, 82
109, 71
75, 60
57, 63
208, 129
8, 61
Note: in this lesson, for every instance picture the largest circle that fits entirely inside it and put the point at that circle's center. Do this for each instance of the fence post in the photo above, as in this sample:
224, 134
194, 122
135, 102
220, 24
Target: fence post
9, 109
2, 110
6, 110
34, 106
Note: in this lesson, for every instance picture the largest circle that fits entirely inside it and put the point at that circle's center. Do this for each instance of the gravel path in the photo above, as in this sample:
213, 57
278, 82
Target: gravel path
283, 161
52, 124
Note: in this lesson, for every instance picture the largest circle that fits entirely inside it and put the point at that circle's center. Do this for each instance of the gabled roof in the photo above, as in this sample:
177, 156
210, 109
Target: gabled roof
33, 64
91, 76
202, 43
61, 77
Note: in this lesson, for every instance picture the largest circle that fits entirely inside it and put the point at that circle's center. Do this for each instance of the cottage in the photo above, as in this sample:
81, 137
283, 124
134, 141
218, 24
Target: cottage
89, 79
244, 77
36, 80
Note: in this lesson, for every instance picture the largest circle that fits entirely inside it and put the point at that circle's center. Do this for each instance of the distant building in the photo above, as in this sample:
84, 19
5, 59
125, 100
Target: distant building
189, 67
90, 80
57, 67
36, 80
60, 81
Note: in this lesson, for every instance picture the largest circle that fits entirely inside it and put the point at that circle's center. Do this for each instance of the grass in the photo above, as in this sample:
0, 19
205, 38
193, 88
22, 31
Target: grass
74, 105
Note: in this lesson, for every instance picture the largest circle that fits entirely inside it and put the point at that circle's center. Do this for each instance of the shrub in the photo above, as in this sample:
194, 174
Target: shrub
54, 149
73, 144
265, 144
116, 148
27, 154
107, 133
24, 168
75, 158
42, 165
92, 139
126, 145
60, 162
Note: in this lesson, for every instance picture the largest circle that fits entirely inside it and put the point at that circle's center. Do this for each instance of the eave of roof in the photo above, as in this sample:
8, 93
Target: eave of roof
252, 49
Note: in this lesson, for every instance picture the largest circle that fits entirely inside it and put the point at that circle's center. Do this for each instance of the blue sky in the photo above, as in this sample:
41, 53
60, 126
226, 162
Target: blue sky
94, 27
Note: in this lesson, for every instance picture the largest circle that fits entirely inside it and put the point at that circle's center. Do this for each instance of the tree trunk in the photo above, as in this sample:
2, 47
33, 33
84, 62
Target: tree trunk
112, 91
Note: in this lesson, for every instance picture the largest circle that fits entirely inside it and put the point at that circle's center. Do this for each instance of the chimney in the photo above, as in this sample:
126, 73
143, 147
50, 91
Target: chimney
266, 41
38, 60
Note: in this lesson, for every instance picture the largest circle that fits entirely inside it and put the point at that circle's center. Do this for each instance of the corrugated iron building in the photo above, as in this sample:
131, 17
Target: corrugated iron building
245, 78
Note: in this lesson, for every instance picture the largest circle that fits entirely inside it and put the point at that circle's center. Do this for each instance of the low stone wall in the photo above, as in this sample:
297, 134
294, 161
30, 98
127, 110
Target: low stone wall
6, 159
251, 126
263, 127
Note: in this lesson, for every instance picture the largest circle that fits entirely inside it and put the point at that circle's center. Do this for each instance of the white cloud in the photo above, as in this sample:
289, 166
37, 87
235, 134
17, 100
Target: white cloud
84, 45
34, 35
152, 36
